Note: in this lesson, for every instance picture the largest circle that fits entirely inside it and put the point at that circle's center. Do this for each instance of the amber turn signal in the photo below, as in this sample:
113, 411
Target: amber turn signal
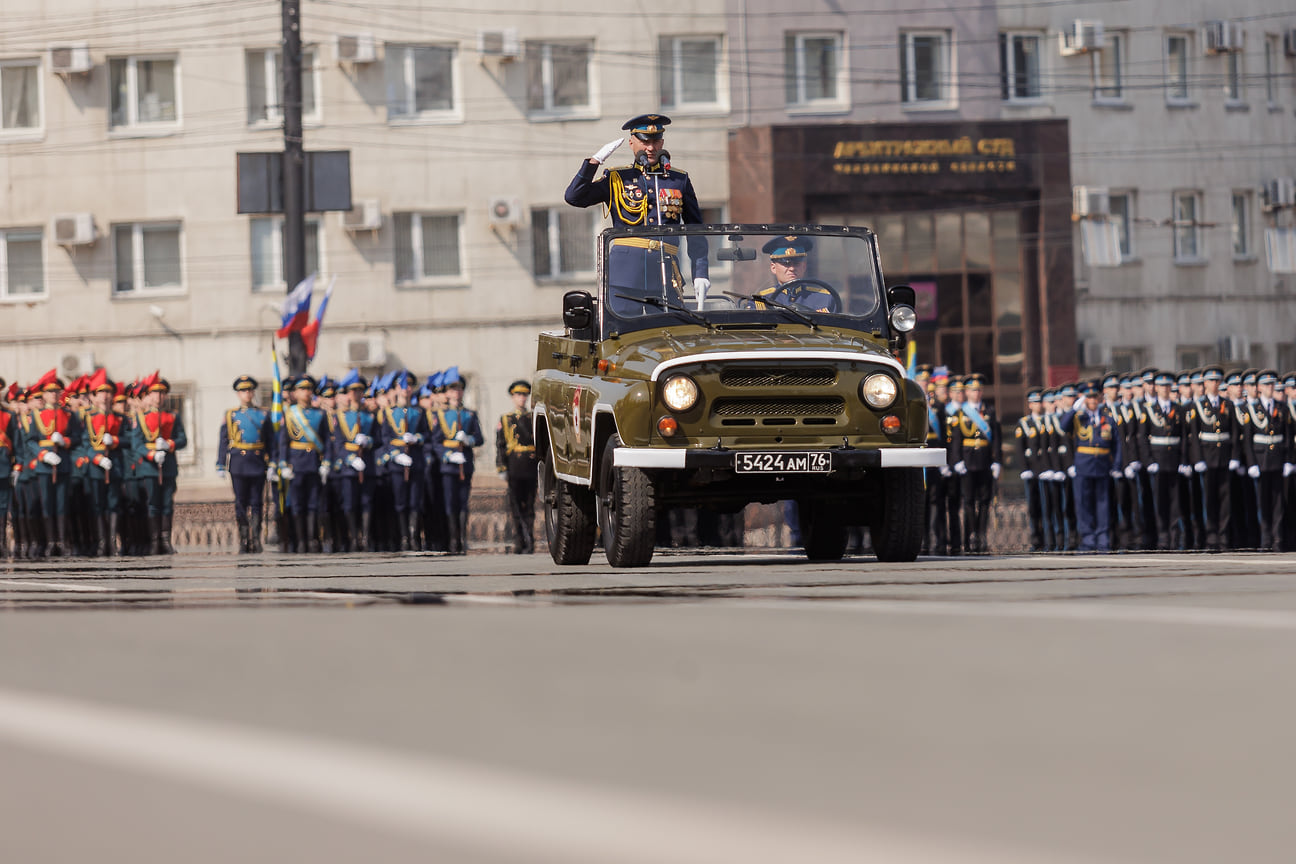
890, 423
667, 426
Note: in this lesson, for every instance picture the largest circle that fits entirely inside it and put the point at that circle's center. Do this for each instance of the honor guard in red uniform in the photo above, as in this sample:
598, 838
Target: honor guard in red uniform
102, 450
155, 438
515, 458
8, 479
55, 436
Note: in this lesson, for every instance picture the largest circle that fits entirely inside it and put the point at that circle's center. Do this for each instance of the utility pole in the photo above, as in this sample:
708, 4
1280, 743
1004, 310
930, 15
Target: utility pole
294, 171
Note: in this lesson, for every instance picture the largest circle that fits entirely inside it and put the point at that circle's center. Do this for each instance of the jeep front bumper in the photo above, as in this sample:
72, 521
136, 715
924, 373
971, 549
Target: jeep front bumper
843, 458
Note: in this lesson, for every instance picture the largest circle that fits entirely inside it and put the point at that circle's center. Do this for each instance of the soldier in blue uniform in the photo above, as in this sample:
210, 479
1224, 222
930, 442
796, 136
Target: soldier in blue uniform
1096, 443
648, 192
302, 448
456, 433
789, 263
352, 453
245, 453
403, 433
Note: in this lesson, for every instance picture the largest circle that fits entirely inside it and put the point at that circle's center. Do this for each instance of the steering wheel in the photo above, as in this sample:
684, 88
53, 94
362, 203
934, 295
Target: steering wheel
788, 287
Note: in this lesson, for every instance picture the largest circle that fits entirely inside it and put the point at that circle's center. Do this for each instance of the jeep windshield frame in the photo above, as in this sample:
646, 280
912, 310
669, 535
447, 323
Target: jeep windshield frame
839, 284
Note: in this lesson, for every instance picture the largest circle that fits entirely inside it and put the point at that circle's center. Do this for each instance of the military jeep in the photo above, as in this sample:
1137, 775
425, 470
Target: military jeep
761, 389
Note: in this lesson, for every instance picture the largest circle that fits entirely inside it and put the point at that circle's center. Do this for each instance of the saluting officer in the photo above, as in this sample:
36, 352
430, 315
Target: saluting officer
1266, 452
648, 192
154, 440
1096, 443
245, 453
1162, 448
515, 457
1212, 433
302, 449
456, 433
977, 446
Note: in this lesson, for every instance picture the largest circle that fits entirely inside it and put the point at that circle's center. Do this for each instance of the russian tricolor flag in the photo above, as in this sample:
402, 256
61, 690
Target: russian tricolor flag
310, 333
296, 308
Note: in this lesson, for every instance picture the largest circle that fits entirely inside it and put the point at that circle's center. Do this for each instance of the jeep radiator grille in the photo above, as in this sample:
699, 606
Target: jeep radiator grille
816, 377
778, 411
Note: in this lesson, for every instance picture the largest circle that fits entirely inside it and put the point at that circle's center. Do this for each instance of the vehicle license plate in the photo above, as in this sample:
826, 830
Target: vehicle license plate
783, 463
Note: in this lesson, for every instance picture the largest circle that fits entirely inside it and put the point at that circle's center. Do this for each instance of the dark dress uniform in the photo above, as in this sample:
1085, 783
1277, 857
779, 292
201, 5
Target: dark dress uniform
353, 472
302, 447
8, 455
977, 446
456, 433
54, 439
515, 456
246, 451
1161, 443
1096, 443
154, 433
403, 434
1212, 434
1032, 442
1266, 447
1128, 500
1289, 470
105, 463
937, 481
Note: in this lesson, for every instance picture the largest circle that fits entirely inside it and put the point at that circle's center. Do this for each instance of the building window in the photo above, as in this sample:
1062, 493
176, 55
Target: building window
1187, 227
1109, 69
428, 248
147, 258
562, 242
421, 82
1019, 66
144, 92
558, 78
265, 87
1241, 227
268, 252
1177, 46
179, 400
1233, 85
1127, 359
926, 69
20, 96
688, 70
1192, 356
1271, 55
1121, 213
814, 70
22, 263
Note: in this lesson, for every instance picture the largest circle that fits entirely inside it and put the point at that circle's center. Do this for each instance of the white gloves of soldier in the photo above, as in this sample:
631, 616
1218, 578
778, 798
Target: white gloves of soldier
1115, 475
456, 458
162, 445
58, 439
1028, 475
462, 437
1136, 466
607, 150
960, 467
159, 456
701, 286
324, 472
106, 464
1071, 472
286, 472
1130, 471
409, 438
221, 473
1186, 470
1154, 467
1200, 467
363, 440
109, 440
945, 471
272, 474
357, 463
1254, 472
403, 460
51, 458
1235, 465
1289, 469
995, 469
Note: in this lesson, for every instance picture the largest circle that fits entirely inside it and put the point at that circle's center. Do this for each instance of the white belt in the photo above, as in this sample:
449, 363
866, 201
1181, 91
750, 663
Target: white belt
1163, 440
1267, 439
1214, 437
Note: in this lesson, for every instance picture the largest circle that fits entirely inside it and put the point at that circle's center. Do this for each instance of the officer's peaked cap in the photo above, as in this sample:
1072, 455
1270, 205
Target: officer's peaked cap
646, 127
245, 382
790, 246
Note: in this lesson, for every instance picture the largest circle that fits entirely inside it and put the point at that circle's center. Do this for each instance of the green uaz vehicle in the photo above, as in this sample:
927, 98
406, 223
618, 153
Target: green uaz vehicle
779, 383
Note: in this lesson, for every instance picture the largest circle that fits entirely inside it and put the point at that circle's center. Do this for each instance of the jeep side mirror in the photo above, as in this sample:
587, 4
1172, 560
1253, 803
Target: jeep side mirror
578, 314
901, 295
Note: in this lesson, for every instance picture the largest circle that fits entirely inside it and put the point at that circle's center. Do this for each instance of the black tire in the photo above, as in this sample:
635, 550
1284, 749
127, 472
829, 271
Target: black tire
568, 517
898, 528
823, 530
627, 511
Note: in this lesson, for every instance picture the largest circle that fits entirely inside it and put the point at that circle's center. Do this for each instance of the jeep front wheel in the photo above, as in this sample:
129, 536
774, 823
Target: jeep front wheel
897, 531
627, 511
568, 517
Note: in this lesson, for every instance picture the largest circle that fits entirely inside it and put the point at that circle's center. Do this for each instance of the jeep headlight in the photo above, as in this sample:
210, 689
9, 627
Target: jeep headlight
680, 393
878, 390
903, 318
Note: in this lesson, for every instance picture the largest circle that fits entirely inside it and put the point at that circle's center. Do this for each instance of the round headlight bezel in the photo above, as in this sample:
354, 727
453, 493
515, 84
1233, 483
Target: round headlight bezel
879, 391
679, 393
903, 318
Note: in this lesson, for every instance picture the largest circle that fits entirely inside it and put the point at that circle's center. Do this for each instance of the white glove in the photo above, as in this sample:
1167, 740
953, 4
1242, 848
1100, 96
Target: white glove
1136, 466
1028, 475
995, 469
462, 437
456, 458
324, 472
1154, 467
104, 462
1200, 467
1254, 472
357, 463
221, 473
1289, 469
1130, 471
51, 458
58, 439
1186, 470
272, 474
162, 445
363, 440
607, 150
159, 457
701, 286
960, 467
286, 472
109, 440
1115, 475
408, 438
1071, 472
945, 471
403, 460
1234, 465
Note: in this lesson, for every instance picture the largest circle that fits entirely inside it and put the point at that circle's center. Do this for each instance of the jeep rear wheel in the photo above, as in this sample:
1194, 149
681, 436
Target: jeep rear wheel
823, 530
627, 511
897, 531
568, 517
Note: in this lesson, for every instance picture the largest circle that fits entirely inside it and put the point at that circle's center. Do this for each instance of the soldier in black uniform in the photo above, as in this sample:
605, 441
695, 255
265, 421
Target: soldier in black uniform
1289, 469
1162, 449
1266, 451
515, 457
246, 452
954, 483
1212, 432
976, 444
1129, 528
1032, 440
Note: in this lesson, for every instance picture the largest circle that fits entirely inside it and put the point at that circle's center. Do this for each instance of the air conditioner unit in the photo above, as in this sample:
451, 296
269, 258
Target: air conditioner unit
1279, 192
365, 215
70, 59
1091, 353
74, 365
1081, 37
1090, 201
503, 44
1233, 349
1280, 250
359, 48
366, 351
1289, 42
73, 229
505, 211
1224, 37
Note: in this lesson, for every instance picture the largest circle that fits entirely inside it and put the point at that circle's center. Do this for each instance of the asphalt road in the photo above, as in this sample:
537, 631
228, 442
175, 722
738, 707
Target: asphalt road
718, 708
